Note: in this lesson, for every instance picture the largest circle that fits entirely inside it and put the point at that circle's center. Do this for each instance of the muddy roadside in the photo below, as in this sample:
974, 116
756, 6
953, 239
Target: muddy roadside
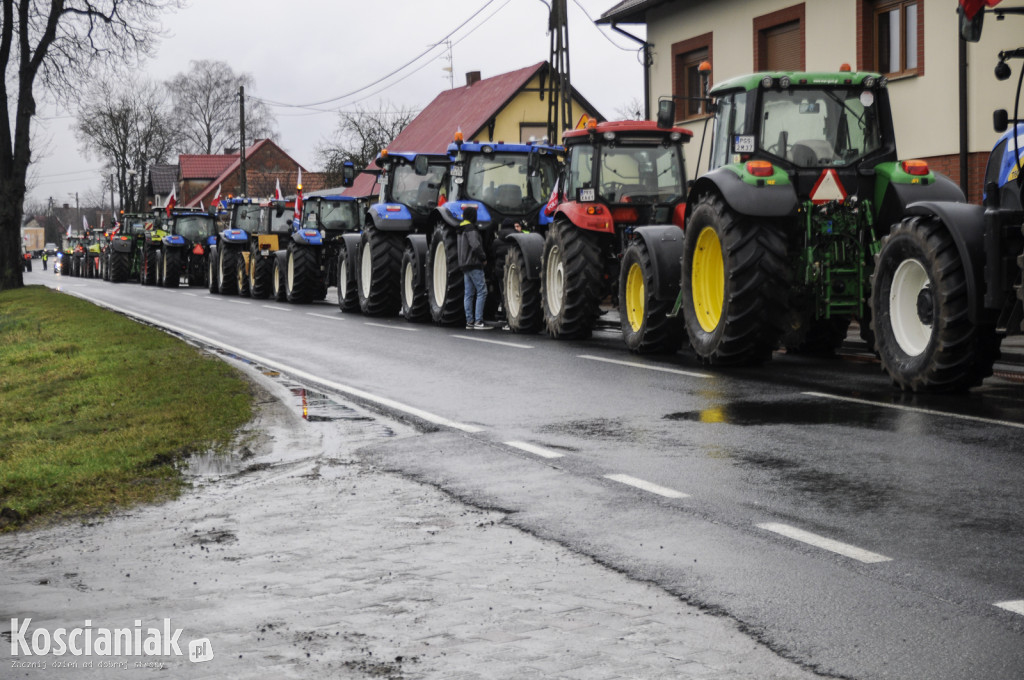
295, 556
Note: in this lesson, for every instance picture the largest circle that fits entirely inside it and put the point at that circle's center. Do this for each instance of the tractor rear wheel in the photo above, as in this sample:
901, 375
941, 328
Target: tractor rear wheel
570, 281
227, 281
119, 266
919, 307
734, 284
444, 288
259, 275
147, 274
301, 274
523, 309
414, 294
242, 272
170, 273
277, 274
646, 326
212, 284
348, 288
380, 261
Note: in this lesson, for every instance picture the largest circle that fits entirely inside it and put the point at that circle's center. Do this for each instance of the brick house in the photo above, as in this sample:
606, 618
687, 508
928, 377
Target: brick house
913, 42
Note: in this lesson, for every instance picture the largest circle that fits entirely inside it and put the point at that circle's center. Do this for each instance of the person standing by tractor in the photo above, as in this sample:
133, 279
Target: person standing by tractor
472, 259
44, 256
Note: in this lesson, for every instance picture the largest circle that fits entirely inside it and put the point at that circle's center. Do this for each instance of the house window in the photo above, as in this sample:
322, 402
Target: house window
536, 131
779, 40
892, 39
686, 83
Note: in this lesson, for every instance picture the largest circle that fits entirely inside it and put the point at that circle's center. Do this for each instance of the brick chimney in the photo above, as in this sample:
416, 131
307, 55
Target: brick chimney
472, 78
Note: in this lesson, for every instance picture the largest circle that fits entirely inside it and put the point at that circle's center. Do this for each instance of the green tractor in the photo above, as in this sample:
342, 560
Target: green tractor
781, 232
184, 252
124, 256
152, 243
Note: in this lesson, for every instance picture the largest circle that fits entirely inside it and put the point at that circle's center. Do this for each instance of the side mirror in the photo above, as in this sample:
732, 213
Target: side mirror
421, 165
348, 174
666, 113
970, 29
1000, 120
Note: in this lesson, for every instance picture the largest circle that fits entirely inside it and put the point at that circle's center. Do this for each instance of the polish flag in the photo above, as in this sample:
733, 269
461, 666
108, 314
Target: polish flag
215, 203
297, 222
277, 192
172, 201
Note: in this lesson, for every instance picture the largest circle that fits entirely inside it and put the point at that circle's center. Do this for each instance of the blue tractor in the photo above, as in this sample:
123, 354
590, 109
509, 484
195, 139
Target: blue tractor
184, 250
229, 245
370, 263
501, 181
332, 216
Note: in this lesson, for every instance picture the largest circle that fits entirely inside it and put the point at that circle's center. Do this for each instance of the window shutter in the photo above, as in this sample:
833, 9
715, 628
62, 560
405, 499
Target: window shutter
781, 49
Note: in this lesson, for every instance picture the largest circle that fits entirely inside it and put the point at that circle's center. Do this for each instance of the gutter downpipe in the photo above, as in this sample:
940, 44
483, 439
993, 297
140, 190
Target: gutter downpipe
964, 148
646, 46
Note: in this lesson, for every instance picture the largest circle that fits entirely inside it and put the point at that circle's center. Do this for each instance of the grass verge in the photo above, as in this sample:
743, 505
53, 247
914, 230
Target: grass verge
95, 409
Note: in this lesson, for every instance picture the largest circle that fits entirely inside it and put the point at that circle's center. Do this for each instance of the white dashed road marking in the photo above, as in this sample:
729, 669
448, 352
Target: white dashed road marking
280, 308
817, 541
1015, 606
647, 486
394, 328
649, 367
536, 450
494, 342
324, 316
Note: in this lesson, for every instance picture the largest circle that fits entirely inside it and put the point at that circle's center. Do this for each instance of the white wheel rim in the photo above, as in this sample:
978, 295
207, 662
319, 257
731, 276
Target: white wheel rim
291, 272
440, 273
555, 280
366, 269
277, 279
513, 291
343, 278
407, 284
220, 266
911, 334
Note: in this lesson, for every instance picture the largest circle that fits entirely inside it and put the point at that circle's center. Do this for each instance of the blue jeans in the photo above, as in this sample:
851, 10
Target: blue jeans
476, 287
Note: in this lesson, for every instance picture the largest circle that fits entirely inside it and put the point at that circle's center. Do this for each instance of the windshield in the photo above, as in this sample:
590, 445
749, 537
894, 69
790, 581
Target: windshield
820, 127
279, 224
640, 174
194, 227
416, 191
502, 181
246, 217
339, 215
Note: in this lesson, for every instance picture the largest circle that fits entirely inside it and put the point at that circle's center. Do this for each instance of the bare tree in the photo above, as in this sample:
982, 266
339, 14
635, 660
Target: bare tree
360, 136
632, 110
206, 106
55, 44
129, 125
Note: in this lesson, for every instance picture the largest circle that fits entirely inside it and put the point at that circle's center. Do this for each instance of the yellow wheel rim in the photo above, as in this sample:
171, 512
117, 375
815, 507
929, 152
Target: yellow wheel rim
708, 280
635, 297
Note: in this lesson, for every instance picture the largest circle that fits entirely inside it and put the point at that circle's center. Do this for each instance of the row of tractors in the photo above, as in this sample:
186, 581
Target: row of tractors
805, 222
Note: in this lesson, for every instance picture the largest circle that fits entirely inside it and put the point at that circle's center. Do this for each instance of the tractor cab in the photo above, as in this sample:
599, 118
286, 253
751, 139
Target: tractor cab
411, 186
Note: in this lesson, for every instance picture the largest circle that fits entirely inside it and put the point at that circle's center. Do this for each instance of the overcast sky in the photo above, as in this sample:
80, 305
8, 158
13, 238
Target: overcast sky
304, 51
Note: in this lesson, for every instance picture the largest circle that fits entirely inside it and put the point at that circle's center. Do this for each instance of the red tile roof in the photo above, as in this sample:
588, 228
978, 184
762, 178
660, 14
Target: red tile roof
469, 107
195, 166
208, 191
365, 184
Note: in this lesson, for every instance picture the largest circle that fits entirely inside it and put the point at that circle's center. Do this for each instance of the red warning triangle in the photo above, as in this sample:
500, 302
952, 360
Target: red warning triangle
828, 188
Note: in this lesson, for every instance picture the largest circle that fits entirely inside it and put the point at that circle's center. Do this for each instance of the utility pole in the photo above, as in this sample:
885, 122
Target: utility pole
243, 190
559, 89
113, 214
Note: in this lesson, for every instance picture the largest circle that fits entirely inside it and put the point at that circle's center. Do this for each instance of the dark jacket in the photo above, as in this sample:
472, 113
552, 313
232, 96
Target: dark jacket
471, 247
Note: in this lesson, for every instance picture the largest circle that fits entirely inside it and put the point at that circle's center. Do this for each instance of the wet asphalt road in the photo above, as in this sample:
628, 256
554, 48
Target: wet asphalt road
923, 495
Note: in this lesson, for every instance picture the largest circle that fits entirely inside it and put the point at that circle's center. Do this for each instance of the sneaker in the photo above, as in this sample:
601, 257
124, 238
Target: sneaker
470, 325
481, 326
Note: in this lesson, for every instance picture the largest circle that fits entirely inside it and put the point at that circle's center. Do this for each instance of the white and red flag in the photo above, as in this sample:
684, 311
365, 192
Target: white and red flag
172, 201
277, 192
298, 202
215, 202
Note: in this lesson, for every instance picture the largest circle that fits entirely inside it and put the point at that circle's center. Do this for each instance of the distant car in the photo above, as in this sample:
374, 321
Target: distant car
51, 249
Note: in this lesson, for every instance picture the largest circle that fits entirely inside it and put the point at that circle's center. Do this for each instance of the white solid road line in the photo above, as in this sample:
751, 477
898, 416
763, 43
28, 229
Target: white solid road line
324, 316
649, 367
914, 409
647, 486
296, 372
280, 308
817, 541
394, 328
536, 450
494, 342
1015, 606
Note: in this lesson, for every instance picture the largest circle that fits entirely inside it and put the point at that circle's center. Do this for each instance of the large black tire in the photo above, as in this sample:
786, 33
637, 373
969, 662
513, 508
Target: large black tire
571, 279
212, 284
302, 274
735, 284
260, 271
170, 272
919, 305
348, 287
277, 286
380, 262
414, 294
521, 297
445, 282
646, 326
226, 266
242, 274
147, 273
119, 267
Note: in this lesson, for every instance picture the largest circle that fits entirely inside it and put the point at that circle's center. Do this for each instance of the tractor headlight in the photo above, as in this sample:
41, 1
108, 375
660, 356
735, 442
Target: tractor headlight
869, 82
766, 82
784, 82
